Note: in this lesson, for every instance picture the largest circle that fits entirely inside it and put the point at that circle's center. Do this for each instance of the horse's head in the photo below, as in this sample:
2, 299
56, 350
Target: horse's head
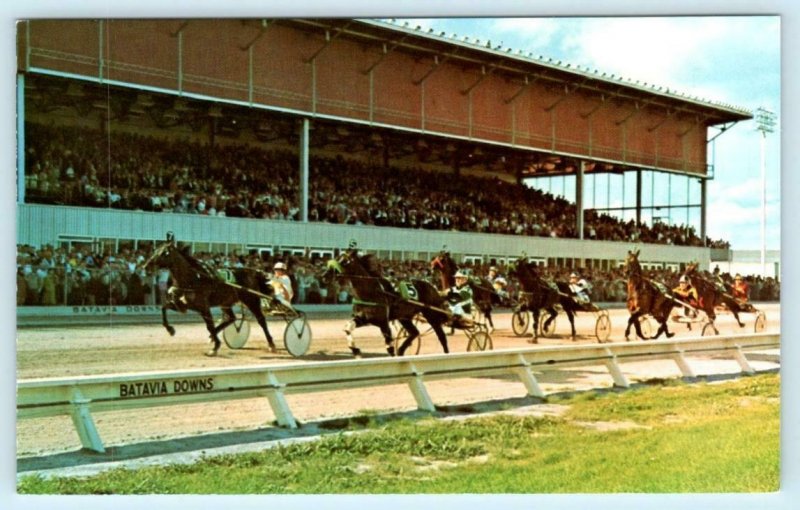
632, 263
164, 255
691, 268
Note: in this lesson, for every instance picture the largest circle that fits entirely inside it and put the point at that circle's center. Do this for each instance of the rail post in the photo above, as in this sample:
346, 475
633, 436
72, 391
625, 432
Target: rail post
277, 400
742, 360
616, 373
419, 390
683, 364
525, 375
84, 423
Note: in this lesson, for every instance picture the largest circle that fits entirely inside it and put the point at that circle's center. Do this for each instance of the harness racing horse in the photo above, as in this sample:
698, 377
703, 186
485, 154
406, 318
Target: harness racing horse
196, 287
538, 294
646, 297
483, 294
377, 303
711, 295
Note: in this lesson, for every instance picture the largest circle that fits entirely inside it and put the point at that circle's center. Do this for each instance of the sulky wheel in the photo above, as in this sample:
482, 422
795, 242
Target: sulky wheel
237, 333
761, 322
297, 336
551, 328
520, 320
602, 328
647, 329
479, 341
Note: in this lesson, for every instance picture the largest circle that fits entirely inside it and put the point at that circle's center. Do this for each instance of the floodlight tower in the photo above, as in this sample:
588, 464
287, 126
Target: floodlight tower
765, 122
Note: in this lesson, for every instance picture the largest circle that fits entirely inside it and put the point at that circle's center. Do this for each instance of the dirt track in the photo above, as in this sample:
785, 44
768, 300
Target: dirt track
101, 350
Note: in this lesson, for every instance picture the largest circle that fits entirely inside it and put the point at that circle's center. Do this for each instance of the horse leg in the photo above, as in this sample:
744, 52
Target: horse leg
535, 339
571, 317
552, 314
212, 329
387, 337
437, 328
488, 314
355, 322
164, 320
413, 333
228, 318
712, 316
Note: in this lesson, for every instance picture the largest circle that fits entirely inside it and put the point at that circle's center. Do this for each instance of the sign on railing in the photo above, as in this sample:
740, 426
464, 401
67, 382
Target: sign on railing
79, 396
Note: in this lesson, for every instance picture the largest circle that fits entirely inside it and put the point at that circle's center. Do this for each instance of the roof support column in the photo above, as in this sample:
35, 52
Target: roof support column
703, 189
302, 197
579, 199
638, 197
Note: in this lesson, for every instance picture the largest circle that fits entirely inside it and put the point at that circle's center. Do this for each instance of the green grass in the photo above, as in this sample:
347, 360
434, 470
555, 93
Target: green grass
680, 438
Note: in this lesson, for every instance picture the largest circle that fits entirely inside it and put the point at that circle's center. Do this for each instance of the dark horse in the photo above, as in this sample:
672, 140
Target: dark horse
538, 294
646, 297
483, 294
377, 303
711, 295
196, 287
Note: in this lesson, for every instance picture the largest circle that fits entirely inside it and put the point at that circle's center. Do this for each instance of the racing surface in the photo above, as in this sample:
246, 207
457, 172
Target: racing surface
77, 350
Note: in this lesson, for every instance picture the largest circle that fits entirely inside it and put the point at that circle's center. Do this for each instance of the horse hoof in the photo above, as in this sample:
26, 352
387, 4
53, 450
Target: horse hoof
212, 353
171, 331
390, 350
273, 349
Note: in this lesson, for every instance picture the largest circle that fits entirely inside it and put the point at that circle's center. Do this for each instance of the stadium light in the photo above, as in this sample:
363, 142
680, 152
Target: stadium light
765, 123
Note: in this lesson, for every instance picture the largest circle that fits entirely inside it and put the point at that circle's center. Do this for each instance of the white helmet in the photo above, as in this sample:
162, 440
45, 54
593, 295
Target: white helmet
684, 279
279, 265
460, 274
573, 275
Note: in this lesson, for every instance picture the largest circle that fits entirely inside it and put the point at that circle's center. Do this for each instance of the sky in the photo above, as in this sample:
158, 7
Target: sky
728, 59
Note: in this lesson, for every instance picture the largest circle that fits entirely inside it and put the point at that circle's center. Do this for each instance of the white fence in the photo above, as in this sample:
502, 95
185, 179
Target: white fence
79, 396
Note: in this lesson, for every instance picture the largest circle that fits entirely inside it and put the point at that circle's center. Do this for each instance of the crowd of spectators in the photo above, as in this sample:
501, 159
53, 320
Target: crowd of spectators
79, 277
72, 165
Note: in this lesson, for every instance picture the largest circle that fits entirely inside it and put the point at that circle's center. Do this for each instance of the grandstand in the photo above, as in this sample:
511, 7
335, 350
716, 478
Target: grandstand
266, 120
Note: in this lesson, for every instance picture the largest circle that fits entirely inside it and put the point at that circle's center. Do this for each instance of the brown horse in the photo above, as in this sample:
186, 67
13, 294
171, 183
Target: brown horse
483, 293
712, 294
646, 297
196, 287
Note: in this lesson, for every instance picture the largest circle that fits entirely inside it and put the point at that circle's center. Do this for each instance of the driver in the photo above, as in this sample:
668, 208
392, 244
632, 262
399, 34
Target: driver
741, 291
282, 284
580, 287
459, 298
499, 283
688, 294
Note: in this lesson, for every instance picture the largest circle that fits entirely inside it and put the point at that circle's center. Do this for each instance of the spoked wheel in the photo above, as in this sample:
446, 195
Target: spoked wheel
297, 336
708, 330
647, 329
761, 322
602, 328
479, 341
401, 336
236, 333
520, 321
551, 328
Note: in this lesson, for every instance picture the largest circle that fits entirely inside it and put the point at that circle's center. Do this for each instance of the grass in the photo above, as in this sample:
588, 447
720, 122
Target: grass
676, 438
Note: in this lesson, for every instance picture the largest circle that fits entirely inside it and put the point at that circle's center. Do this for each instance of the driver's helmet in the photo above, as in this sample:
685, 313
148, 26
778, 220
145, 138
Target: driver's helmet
684, 279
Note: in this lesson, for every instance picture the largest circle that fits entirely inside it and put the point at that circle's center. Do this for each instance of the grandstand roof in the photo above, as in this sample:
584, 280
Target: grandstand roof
400, 34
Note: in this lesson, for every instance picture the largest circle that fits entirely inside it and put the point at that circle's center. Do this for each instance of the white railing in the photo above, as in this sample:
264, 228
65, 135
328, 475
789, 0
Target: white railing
79, 396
